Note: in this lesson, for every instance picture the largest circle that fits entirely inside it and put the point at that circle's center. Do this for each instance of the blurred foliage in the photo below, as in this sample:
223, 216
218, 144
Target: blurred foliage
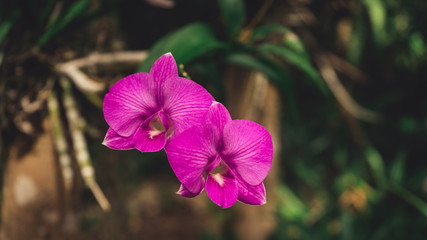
42, 21
340, 178
240, 49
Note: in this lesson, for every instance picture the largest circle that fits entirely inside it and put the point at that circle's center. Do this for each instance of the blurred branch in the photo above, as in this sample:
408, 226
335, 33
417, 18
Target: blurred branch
355, 127
247, 31
300, 16
60, 142
161, 3
343, 97
326, 64
28, 107
37, 104
80, 146
347, 68
72, 69
260, 14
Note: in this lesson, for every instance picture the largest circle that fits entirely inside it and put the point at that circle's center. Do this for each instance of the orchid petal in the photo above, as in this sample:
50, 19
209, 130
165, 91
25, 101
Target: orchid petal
248, 149
186, 103
150, 139
115, 141
164, 68
222, 189
145, 143
254, 195
189, 153
183, 191
218, 115
129, 102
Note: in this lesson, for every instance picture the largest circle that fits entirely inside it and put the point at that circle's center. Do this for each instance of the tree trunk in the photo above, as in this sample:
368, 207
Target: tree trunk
31, 206
251, 96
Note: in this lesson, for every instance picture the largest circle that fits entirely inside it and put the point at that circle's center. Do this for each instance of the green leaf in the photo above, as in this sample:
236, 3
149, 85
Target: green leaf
273, 71
290, 39
7, 25
411, 198
290, 206
233, 12
185, 44
347, 222
266, 30
408, 124
377, 14
417, 44
75, 10
376, 164
358, 39
297, 60
5, 28
397, 167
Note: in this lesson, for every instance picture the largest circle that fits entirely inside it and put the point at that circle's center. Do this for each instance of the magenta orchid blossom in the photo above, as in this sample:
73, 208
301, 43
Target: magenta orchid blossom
146, 110
228, 158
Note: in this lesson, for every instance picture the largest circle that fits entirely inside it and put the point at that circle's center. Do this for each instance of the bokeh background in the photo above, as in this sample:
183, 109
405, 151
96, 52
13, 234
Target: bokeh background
340, 85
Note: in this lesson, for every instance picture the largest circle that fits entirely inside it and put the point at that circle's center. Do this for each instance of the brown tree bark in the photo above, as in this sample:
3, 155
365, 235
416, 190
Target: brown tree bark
31, 206
251, 96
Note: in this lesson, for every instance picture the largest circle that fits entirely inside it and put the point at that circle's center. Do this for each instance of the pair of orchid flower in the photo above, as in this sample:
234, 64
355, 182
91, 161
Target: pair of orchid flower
205, 147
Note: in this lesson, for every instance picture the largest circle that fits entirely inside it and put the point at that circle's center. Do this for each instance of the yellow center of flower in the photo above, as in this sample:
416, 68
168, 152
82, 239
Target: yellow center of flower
156, 126
218, 178
218, 172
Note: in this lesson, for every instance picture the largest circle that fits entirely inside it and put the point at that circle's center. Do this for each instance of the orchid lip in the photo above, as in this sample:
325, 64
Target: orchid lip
156, 126
218, 178
218, 172
159, 124
217, 169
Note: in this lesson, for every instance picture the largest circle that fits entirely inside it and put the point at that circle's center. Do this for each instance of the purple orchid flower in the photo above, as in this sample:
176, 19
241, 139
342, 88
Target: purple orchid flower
146, 110
234, 155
